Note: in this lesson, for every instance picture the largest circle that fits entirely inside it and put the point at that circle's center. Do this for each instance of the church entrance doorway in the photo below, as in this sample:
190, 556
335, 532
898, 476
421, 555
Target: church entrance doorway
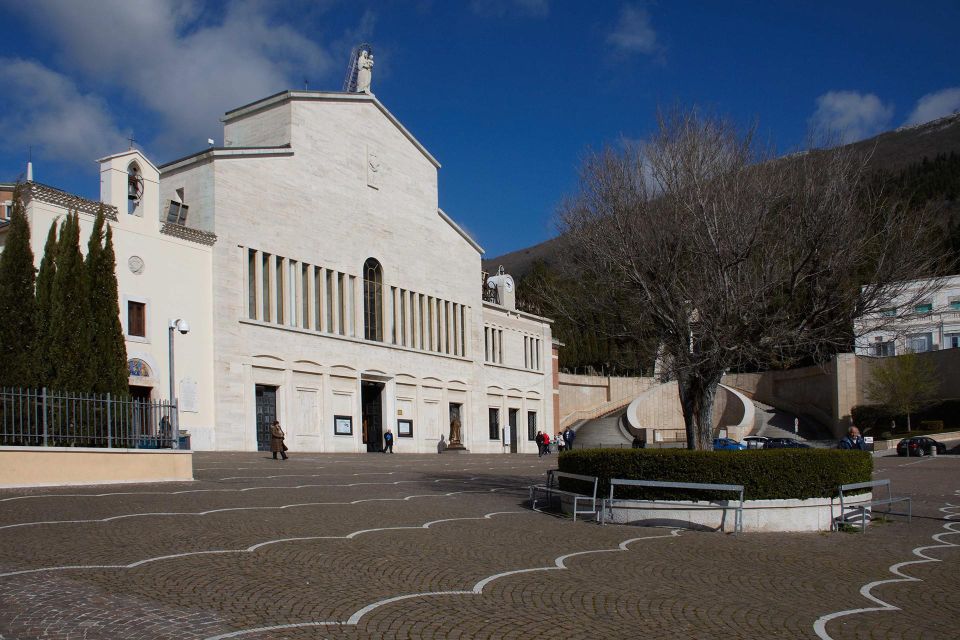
266, 396
371, 400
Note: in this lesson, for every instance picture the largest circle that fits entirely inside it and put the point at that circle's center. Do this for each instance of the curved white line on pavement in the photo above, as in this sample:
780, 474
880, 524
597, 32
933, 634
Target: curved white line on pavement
243, 490
820, 626
302, 475
558, 564
124, 516
267, 543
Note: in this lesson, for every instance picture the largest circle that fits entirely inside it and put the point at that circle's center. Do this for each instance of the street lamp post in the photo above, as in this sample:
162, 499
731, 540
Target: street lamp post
183, 327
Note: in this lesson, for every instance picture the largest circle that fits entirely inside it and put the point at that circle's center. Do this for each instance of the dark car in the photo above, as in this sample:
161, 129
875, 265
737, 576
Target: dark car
785, 443
919, 446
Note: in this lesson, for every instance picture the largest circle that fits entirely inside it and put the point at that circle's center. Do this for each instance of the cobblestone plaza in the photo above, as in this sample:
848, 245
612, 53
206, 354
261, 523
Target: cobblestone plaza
403, 546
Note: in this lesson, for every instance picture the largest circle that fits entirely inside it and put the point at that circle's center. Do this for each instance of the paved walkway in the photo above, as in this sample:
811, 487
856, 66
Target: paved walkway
379, 546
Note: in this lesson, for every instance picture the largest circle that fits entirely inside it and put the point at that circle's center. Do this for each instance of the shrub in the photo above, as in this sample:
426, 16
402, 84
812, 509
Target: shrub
872, 419
765, 475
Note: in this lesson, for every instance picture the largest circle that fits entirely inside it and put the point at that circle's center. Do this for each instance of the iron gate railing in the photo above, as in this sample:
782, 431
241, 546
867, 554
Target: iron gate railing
44, 418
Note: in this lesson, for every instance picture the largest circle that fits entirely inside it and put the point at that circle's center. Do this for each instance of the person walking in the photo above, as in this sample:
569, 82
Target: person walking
388, 441
560, 443
546, 443
276, 440
539, 441
568, 437
853, 440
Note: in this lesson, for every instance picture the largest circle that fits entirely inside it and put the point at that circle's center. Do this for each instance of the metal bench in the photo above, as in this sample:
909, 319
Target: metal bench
695, 486
552, 488
874, 502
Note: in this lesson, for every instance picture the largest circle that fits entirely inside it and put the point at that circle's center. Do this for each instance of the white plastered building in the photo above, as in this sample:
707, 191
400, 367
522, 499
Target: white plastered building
163, 273
914, 323
344, 301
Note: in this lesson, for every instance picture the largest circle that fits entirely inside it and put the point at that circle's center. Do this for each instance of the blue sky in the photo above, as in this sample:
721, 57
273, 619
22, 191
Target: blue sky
507, 94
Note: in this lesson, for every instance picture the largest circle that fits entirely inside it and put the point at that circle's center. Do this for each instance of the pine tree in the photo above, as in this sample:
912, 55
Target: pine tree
108, 351
70, 320
48, 268
18, 316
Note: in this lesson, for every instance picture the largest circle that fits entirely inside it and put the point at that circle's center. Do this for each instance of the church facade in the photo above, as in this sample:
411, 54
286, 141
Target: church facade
344, 301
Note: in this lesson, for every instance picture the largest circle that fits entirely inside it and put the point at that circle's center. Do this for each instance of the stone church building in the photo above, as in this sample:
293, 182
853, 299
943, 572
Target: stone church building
324, 288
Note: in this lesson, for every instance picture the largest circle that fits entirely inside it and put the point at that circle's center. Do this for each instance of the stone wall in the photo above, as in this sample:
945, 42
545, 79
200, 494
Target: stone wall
580, 392
828, 392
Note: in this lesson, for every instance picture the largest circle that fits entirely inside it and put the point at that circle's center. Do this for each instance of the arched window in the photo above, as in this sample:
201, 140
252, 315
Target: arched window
138, 368
372, 300
134, 187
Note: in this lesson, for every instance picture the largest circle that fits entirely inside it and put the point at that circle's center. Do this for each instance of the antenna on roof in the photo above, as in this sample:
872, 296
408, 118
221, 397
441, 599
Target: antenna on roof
305, 84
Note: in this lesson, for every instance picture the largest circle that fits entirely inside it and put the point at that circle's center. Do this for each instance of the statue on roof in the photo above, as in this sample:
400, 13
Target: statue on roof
364, 71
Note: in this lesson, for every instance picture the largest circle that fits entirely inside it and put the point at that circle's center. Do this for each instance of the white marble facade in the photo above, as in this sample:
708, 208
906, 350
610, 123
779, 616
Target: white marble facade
310, 187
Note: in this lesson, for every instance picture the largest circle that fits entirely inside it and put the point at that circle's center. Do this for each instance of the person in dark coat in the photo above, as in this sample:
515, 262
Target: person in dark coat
568, 437
539, 441
276, 440
853, 440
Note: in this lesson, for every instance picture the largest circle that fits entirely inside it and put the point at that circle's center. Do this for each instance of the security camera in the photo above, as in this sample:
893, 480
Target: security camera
180, 325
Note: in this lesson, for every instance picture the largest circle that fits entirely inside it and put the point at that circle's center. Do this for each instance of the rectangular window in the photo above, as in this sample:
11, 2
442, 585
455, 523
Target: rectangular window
266, 294
420, 315
292, 293
923, 307
430, 323
526, 352
280, 290
446, 327
920, 342
177, 213
537, 354
888, 313
531, 425
954, 303
136, 319
500, 346
318, 298
341, 303
352, 310
493, 420
252, 284
486, 344
403, 318
463, 331
305, 271
330, 298
952, 341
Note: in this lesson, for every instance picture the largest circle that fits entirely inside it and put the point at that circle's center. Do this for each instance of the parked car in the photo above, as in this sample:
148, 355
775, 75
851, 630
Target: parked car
919, 446
755, 442
727, 444
785, 443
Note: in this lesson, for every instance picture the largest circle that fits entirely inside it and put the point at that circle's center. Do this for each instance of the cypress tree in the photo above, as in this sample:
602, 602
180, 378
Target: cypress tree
70, 338
48, 269
109, 353
18, 316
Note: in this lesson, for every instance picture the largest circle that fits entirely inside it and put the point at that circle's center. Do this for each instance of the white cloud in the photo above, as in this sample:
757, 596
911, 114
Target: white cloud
500, 8
935, 105
633, 33
850, 116
47, 111
185, 67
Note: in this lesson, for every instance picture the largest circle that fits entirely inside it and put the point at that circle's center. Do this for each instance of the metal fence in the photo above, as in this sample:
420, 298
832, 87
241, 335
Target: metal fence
44, 418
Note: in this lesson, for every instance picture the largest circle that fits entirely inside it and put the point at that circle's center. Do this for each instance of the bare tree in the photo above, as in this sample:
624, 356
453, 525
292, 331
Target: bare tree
729, 257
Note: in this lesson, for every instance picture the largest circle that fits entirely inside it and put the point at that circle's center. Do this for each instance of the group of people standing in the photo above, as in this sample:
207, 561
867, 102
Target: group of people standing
564, 441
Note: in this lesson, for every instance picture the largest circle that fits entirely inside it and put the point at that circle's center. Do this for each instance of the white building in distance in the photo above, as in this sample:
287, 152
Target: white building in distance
323, 285
912, 325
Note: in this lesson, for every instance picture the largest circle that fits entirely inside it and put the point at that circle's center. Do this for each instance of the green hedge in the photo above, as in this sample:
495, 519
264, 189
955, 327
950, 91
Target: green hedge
765, 475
